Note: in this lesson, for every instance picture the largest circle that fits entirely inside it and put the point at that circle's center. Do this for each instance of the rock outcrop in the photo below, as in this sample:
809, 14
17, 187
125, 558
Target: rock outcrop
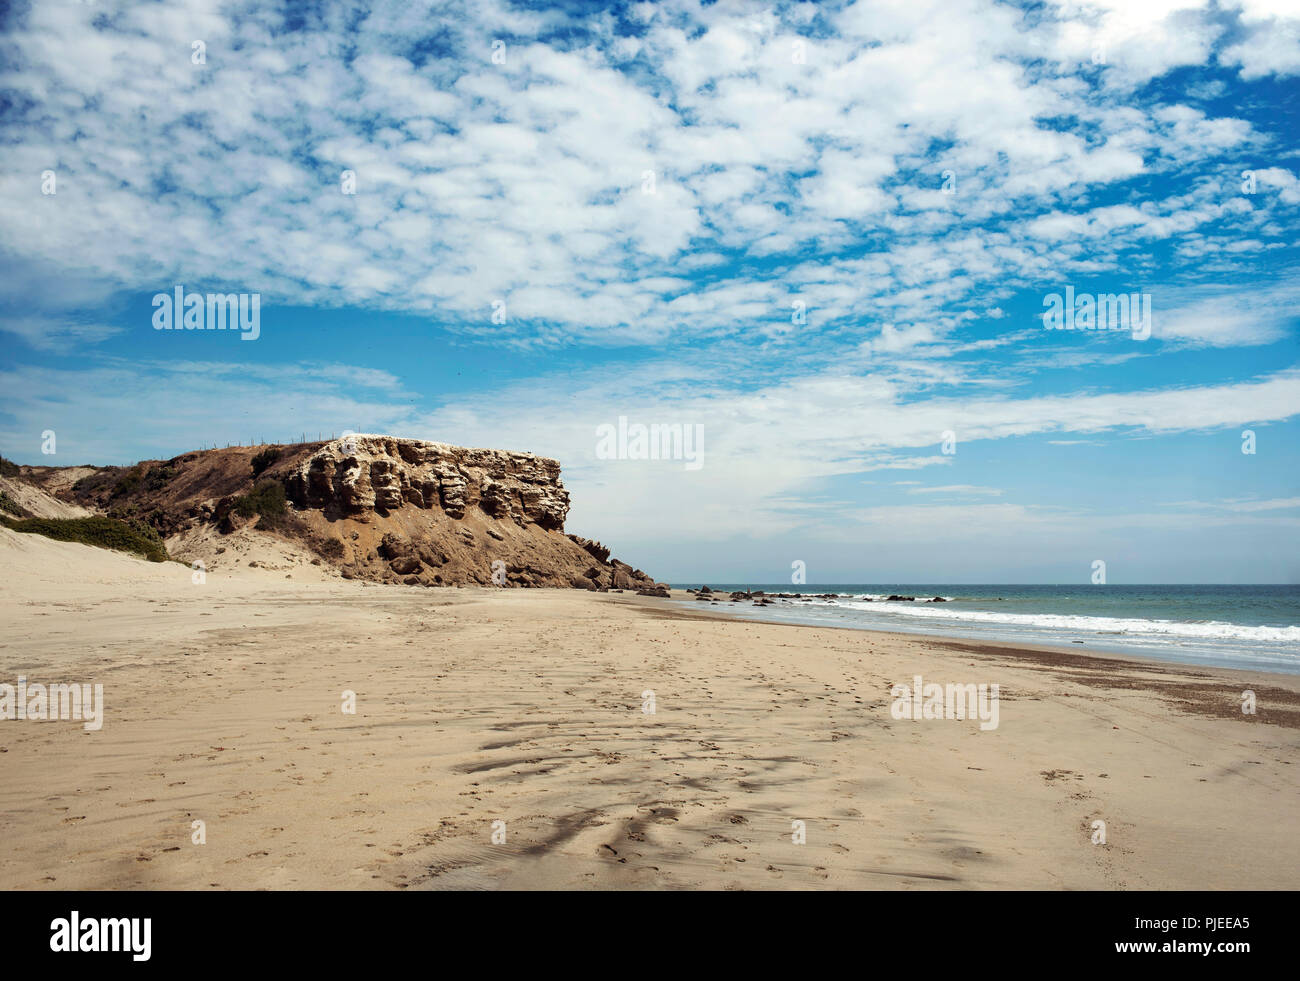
422, 513
381, 508
363, 474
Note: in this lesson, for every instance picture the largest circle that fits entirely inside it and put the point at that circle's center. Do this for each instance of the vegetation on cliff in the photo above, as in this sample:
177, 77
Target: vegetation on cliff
102, 532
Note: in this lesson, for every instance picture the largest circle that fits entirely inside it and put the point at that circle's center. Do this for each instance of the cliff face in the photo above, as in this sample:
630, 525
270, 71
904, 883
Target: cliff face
380, 508
434, 514
364, 474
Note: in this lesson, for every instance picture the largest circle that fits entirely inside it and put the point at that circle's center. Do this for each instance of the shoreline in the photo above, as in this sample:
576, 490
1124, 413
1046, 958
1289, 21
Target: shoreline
680, 595
1046, 655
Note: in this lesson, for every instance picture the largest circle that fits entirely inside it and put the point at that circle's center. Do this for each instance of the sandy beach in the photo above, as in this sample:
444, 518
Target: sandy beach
474, 706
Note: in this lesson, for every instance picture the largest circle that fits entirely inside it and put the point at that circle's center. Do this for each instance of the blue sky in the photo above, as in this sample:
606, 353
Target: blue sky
649, 190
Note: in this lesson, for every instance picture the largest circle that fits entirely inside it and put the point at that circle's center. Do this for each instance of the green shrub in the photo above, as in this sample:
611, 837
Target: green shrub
266, 499
264, 459
123, 512
98, 531
8, 504
158, 476
8, 468
91, 483
128, 482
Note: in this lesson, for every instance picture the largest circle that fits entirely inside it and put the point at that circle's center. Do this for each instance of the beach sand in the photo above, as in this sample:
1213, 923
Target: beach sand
473, 706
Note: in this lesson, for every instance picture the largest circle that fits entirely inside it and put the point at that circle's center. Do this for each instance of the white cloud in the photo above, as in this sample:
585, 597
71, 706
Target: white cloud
1223, 317
523, 181
1242, 506
63, 335
1272, 42
959, 490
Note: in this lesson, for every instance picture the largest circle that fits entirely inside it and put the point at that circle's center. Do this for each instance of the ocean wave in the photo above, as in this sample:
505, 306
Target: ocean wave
1207, 630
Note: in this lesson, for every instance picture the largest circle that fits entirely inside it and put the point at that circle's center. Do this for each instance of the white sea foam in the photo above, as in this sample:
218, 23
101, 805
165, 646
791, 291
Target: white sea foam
1208, 630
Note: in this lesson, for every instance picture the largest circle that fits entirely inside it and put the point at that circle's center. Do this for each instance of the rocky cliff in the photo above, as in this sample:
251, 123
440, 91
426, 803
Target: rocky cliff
375, 507
364, 474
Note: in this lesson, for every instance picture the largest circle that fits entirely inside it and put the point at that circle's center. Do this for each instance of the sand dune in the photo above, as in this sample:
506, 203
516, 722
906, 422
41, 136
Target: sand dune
37, 503
223, 705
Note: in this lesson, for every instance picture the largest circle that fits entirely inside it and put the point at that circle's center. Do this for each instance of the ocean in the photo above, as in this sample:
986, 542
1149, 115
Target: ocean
1253, 627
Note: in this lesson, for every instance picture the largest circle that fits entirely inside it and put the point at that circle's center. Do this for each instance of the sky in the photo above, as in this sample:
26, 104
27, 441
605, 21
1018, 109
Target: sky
822, 238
